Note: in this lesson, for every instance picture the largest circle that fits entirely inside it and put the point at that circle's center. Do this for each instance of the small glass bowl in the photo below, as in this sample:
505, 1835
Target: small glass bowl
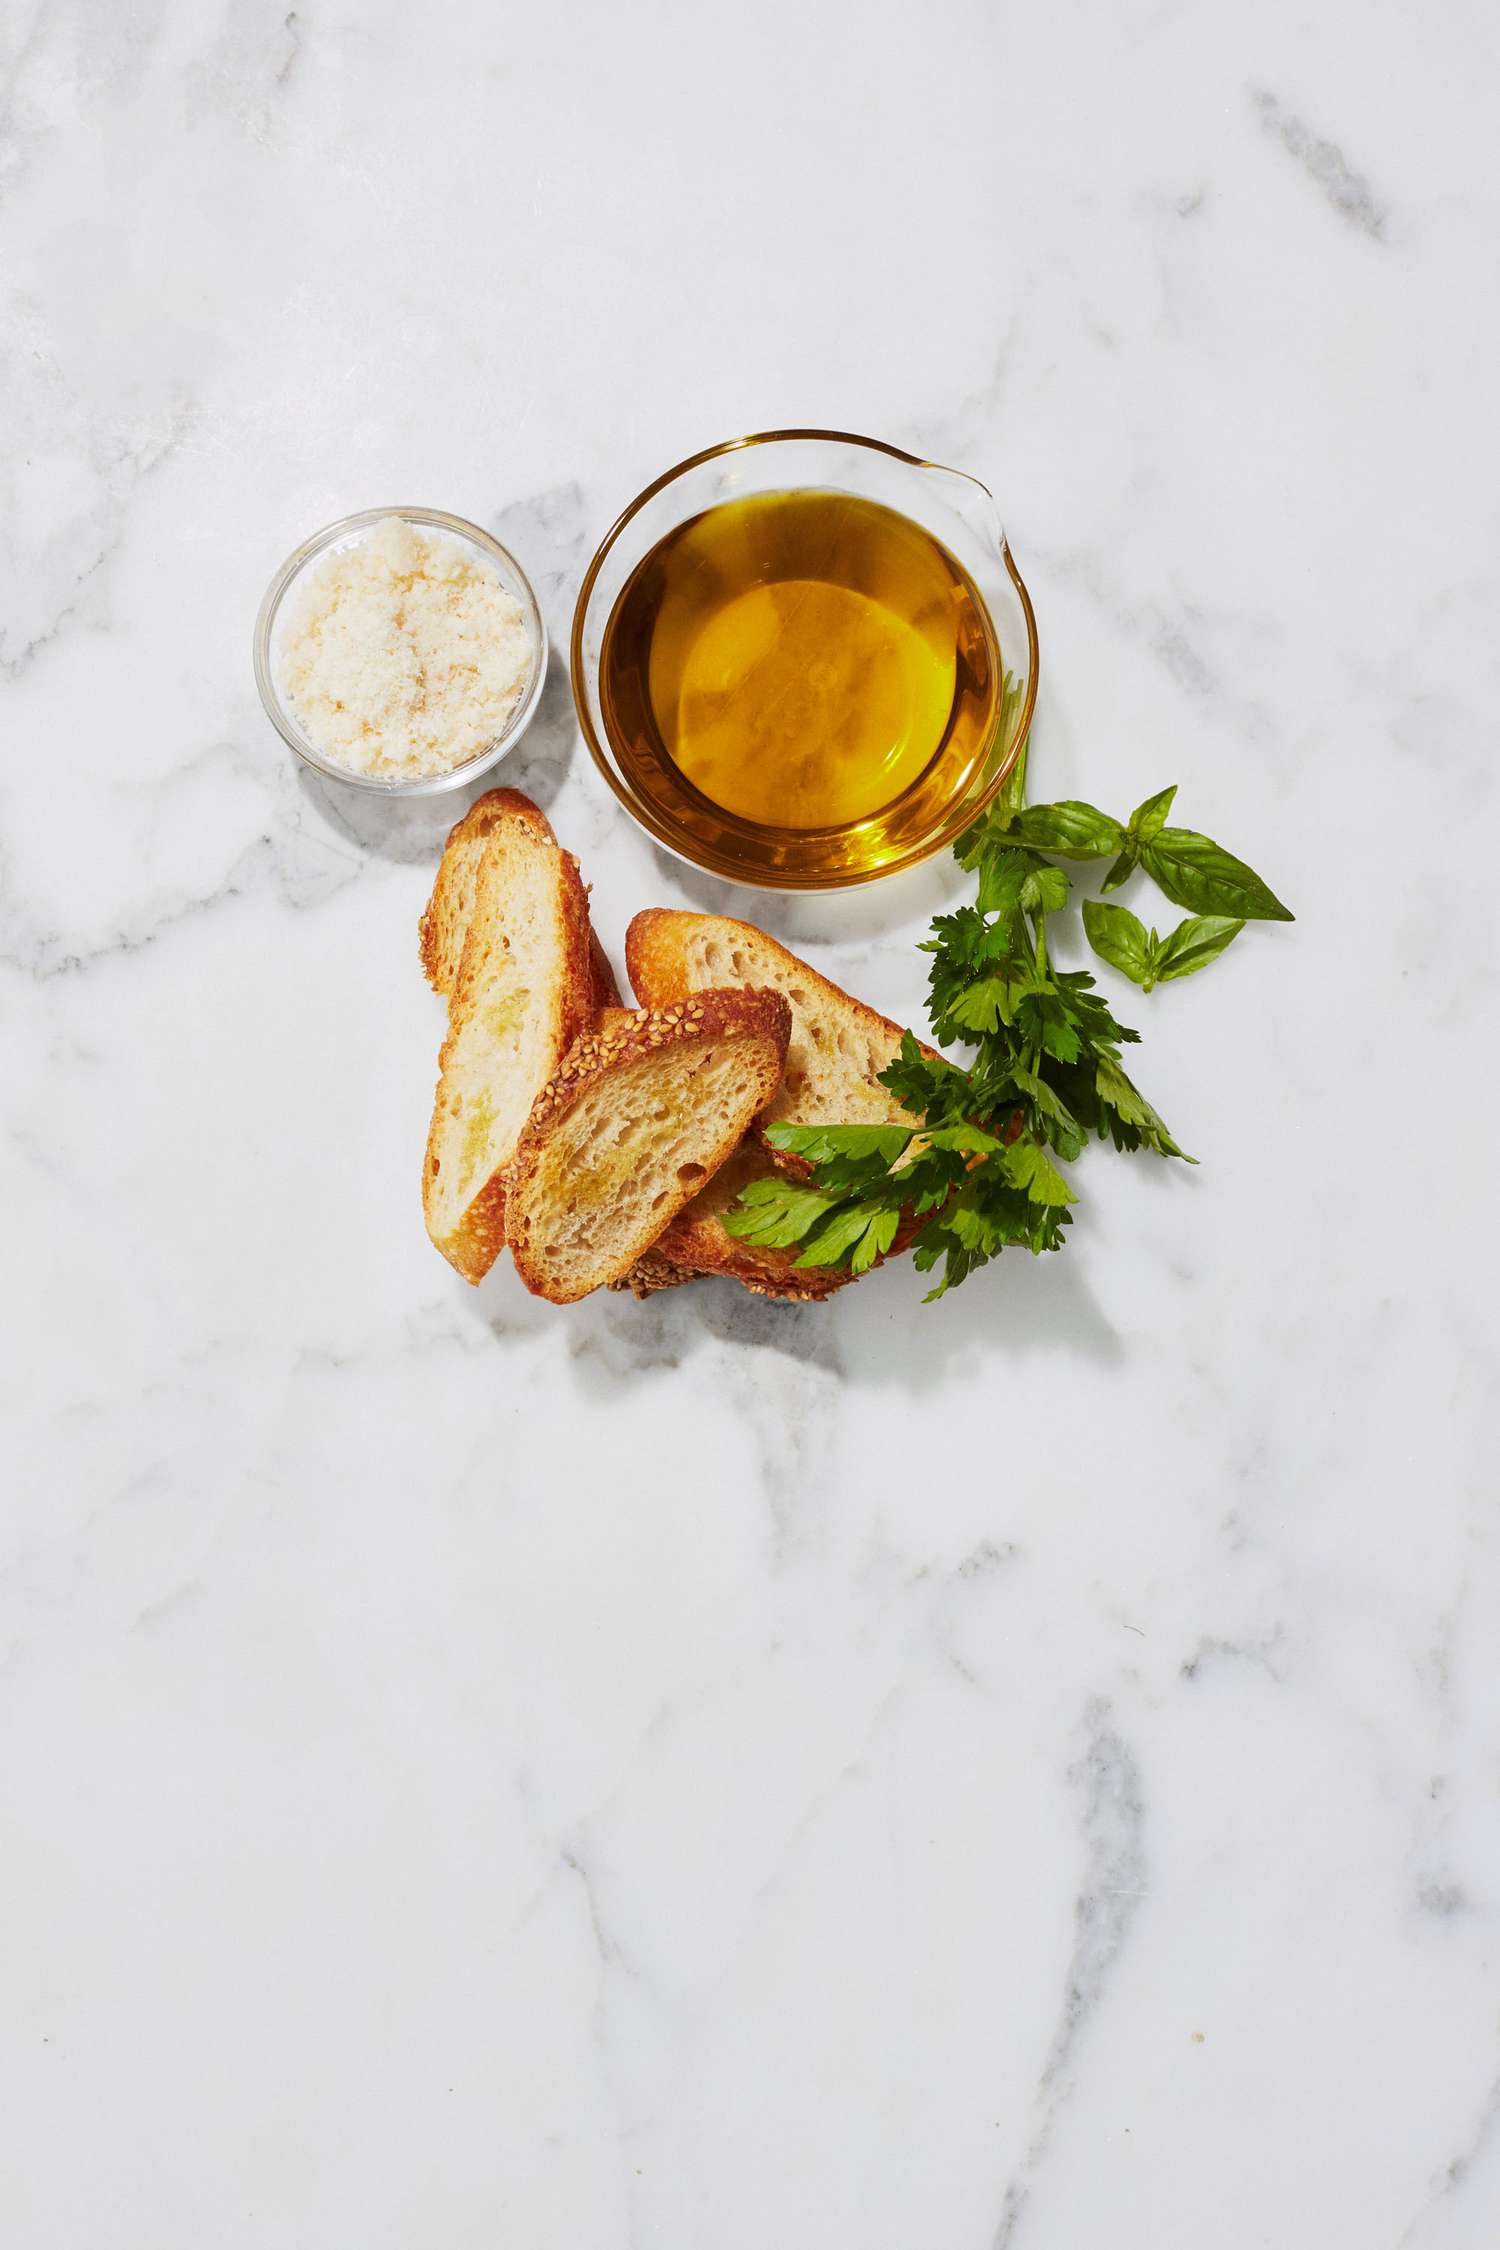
347, 532
953, 506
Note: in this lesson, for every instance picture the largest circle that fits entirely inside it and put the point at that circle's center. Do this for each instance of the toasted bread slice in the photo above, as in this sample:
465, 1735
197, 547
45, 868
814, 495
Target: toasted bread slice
655, 1271
523, 994
446, 916
640, 1116
697, 1241
838, 1045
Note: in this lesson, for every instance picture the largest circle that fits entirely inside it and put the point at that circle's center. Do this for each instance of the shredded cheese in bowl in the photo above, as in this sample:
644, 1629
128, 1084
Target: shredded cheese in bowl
404, 653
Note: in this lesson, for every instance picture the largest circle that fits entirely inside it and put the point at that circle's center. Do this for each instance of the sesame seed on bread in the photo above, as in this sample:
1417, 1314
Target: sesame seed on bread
650, 1274
642, 1113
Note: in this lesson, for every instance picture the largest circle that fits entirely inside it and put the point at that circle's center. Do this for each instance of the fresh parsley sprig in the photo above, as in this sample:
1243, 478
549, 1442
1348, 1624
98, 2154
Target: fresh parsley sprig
983, 1172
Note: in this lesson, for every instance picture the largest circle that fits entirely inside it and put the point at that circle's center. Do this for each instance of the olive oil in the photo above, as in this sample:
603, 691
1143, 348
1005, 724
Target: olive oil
807, 672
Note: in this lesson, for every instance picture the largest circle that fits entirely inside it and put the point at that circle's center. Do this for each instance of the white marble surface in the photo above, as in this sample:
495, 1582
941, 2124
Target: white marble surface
1017, 1775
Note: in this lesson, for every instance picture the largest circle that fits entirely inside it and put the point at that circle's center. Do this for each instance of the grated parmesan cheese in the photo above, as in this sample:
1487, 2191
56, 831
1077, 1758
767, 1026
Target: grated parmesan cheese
404, 654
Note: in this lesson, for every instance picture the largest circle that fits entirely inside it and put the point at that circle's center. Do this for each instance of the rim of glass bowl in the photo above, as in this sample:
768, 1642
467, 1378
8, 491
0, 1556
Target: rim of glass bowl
429, 784
687, 848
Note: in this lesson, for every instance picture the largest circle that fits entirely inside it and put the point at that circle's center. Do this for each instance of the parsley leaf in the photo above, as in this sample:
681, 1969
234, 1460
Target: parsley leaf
1027, 1166
1133, 1122
776, 1213
859, 1231
982, 1167
844, 1154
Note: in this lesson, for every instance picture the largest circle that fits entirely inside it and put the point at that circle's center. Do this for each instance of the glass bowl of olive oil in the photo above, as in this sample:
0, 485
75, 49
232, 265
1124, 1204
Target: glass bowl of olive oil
804, 660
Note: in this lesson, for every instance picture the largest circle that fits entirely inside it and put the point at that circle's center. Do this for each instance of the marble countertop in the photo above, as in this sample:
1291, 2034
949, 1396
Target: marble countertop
1018, 1774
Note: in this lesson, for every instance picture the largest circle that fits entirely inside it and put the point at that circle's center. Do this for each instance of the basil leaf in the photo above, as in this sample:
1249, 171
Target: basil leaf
1125, 866
1118, 937
1148, 819
1072, 829
1192, 945
1199, 874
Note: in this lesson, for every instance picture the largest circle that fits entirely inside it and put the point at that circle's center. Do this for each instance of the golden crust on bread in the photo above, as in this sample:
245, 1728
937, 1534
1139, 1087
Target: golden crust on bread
699, 1242
641, 1114
523, 993
445, 918
606, 988
834, 1049
444, 924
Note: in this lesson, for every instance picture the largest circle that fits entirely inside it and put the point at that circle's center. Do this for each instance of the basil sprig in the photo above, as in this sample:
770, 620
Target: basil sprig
1123, 940
1220, 892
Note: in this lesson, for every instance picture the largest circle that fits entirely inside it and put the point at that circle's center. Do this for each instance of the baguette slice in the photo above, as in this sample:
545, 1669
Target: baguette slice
838, 1046
447, 914
639, 1117
697, 1241
523, 994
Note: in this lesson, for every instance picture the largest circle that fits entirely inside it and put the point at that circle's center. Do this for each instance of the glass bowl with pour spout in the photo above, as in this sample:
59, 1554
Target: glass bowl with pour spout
955, 519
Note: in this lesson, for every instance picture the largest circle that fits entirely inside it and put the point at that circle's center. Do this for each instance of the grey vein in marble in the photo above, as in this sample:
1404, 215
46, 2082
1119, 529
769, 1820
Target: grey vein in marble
1348, 191
1457, 2174
448, 1650
1107, 1780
